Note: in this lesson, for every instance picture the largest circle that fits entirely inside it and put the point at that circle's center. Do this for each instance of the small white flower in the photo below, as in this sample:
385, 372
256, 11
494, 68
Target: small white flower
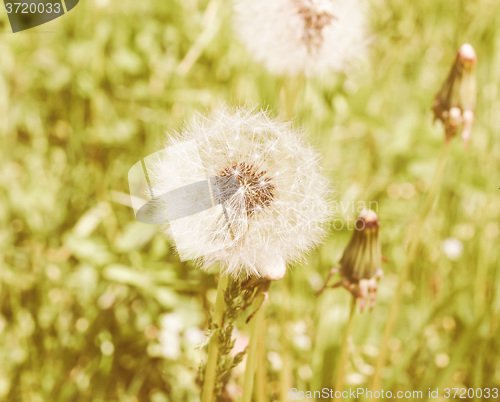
172, 322
171, 326
170, 344
275, 360
452, 248
260, 224
194, 336
301, 36
302, 341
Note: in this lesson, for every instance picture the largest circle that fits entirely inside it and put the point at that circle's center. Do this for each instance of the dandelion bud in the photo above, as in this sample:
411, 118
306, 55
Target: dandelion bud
454, 104
360, 266
362, 256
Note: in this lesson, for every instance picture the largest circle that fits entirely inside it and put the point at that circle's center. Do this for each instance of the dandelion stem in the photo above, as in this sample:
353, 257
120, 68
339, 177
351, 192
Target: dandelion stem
256, 324
213, 345
289, 94
286, 370
339, 382
260, 375
290, 91
411, 253
211, 22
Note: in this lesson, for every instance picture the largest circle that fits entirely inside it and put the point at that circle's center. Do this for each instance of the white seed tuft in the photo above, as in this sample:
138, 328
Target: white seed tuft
265, 220
301, 36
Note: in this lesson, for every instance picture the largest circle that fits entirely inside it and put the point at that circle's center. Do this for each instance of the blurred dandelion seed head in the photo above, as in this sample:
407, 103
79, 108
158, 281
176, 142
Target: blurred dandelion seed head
301, 36
316, 16
270, 198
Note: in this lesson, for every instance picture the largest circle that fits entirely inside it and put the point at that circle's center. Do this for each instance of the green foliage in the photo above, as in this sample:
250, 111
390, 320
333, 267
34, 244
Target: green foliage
85, 289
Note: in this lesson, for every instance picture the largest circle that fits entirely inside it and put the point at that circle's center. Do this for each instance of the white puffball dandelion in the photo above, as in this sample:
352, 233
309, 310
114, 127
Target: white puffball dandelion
301, 36
271, 198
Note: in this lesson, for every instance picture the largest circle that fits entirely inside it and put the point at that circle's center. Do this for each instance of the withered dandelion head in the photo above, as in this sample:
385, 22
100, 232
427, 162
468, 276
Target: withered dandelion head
270, 198
301, 36
361, 264
454, 104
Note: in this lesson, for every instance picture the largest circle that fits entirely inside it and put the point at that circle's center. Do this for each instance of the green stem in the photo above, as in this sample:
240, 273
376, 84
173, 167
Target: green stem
256, 322
289, 94
213, 345
290, 91
260, 375
436, 181
286, 370
339, 383
413, 245
211, 26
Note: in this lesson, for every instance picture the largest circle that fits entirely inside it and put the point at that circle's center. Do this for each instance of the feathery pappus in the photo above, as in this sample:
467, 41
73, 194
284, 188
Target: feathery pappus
271, 197
301, 36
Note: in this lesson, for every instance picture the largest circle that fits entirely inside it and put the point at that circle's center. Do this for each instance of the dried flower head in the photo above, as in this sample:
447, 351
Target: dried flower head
270, 198
361, 263
454, 104
301, 36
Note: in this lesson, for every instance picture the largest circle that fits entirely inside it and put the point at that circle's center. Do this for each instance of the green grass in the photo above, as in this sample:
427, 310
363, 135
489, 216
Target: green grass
83, 286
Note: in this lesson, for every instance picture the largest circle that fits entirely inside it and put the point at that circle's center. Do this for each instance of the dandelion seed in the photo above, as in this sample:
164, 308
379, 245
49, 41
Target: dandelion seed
301, 36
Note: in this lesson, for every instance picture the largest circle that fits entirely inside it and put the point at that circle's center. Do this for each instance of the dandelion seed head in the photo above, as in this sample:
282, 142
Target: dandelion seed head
301, 36
316, 15
270, 214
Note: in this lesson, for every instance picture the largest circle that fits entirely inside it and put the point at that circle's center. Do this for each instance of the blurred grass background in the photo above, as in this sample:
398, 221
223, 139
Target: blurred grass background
95, 306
